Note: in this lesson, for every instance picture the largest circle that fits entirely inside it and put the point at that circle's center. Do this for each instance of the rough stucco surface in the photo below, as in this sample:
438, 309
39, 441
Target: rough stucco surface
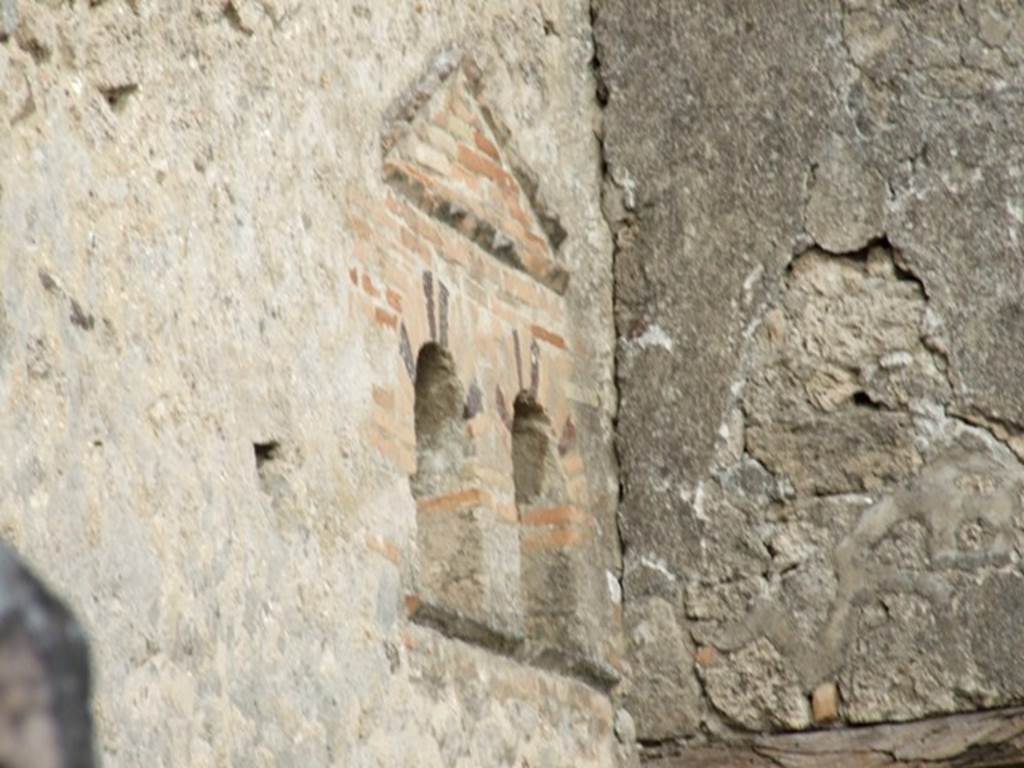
174, 295
817, 213
207, 212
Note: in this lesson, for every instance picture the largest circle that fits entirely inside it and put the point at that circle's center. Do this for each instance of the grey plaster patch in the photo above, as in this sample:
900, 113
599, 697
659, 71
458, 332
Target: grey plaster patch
846, 203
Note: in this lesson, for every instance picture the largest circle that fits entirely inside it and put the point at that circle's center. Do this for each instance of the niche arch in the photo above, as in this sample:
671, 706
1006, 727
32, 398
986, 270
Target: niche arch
467, 577
537, 473
461, 258
555, 577
442, 445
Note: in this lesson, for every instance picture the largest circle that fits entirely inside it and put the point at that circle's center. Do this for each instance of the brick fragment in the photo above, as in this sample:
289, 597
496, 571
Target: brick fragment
432, 158
385, 318
562, 515
383, 397
440, 139
414, 245
458, 128
485, 145
360, 226
392, 450
482, 165
552, 338
469, 180
705, 656
507, 513
517, 213
825, 703
396, 428
394, 300
454, 502
412, 607
384, 547
572, 464
546, 539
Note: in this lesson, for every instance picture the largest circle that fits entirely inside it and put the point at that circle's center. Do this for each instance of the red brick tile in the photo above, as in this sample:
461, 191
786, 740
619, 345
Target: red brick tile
394, 300
383, 397
385, 318
485, 145
369, 287
453, 502
546, 540
563, 515
550, 337
473, 161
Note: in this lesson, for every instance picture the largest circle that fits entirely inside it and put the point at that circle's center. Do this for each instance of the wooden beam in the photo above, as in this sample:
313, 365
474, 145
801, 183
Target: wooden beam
991, 739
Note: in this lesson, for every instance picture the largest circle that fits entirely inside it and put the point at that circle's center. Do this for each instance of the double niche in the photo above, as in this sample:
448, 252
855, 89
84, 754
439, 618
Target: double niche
502, 555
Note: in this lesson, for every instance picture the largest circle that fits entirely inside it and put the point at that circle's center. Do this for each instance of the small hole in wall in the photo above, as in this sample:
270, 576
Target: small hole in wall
863, 400
117, 96
234, 19
265, 452
39, 52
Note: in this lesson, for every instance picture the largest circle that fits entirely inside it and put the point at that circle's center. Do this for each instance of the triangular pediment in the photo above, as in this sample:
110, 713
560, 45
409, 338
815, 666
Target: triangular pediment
445, 153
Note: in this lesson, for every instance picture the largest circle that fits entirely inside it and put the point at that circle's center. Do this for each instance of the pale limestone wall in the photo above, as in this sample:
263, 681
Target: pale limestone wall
177, 244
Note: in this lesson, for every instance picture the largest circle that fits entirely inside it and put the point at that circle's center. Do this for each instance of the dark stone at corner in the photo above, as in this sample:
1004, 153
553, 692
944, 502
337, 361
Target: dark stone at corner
8, 18
45, 720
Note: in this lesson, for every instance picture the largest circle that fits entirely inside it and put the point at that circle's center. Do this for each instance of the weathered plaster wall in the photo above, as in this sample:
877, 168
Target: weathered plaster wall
306, 342
817, 211
207, 410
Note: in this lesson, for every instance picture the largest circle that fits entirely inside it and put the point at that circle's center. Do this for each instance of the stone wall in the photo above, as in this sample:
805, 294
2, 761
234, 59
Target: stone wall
315, 319
306, 371
819, 286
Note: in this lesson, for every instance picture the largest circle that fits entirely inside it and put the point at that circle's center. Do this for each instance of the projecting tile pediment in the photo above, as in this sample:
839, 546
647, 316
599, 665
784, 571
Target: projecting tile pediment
444, 151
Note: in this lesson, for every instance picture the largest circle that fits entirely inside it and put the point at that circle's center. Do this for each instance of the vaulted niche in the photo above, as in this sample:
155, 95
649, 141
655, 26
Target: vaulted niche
468, 572
487, 318
539, 480
551, 528
441, 442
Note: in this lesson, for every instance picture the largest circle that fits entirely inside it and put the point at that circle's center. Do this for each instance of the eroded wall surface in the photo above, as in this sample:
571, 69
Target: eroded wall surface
228, 234
817, 212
